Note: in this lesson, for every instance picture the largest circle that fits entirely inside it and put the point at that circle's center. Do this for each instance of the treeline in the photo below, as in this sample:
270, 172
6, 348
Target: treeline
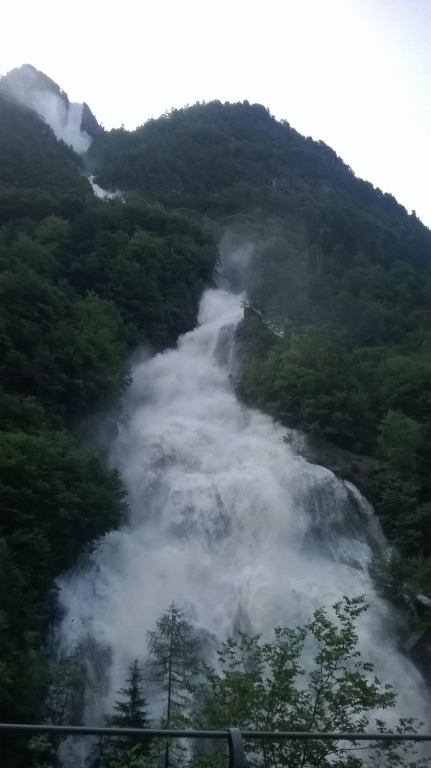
227, 158
307, 678
82, 282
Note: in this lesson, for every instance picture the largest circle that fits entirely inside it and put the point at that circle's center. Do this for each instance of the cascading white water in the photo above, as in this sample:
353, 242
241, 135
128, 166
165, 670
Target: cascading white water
35, 90
103, 193
70, 129
225, 520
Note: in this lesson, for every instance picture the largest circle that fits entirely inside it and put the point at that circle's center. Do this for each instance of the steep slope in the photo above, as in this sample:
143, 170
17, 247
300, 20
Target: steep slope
83, 281
311, 221
225, 158
30, 155
341, 268
73, 123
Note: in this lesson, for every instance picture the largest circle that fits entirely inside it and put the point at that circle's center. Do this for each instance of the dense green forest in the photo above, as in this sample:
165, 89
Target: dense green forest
337, 342
82, 283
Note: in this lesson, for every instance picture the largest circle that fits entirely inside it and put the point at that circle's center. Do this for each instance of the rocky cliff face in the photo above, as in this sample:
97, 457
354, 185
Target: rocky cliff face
366, 472
89, 123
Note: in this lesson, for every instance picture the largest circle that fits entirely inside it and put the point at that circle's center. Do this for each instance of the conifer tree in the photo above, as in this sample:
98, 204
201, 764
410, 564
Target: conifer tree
129, 712
132, 711
173, 661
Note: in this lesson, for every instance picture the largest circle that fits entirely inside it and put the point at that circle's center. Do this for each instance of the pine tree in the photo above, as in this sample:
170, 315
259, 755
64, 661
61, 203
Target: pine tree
130, 712
173, 661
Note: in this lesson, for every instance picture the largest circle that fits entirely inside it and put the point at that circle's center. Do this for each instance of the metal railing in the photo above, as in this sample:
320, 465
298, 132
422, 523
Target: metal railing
234, 736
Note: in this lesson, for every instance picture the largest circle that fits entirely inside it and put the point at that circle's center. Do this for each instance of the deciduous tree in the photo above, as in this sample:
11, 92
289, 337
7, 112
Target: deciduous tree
266, 686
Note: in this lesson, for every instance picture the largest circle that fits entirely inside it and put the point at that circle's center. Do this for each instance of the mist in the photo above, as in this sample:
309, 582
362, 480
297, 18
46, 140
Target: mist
225, 519
36, 91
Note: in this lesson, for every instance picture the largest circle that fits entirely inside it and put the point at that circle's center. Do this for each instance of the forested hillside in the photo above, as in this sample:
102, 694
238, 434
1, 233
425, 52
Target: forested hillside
82, 283
32, 158
339, 266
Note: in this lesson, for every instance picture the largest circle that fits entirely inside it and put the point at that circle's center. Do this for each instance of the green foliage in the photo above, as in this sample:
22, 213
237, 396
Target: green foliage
67, 687
173, 660
338, 265
308, 380
82, 281
30, 155
132, 711
129, 712
133, 758
68, 351
265, 686
272, 686
226, 158
400, 440
342, 264
21, 414
311, 379
89, 350
353, 364
55, 498
371, 297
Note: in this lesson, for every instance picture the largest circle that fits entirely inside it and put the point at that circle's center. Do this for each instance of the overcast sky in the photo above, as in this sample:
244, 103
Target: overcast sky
354, 73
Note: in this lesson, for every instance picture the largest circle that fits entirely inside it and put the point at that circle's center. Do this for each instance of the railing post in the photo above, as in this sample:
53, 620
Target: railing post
236, 749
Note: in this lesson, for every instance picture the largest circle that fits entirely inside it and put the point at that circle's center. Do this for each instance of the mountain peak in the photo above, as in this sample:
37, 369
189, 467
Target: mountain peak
72, 122
23, 83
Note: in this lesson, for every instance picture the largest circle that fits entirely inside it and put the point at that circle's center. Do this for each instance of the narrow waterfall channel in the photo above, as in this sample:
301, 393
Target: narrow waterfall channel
226, 520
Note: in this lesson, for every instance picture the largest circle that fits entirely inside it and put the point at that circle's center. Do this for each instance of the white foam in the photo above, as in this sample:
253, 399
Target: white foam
225, 520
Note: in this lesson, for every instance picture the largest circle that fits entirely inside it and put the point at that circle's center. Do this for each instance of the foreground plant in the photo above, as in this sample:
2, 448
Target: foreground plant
266, 686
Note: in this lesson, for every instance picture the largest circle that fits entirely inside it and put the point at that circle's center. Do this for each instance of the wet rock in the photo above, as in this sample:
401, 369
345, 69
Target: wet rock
365, 472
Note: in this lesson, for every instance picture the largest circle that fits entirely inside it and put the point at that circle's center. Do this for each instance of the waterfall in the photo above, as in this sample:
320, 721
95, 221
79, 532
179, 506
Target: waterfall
103, 193
70, 129
34, 89
226, 520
